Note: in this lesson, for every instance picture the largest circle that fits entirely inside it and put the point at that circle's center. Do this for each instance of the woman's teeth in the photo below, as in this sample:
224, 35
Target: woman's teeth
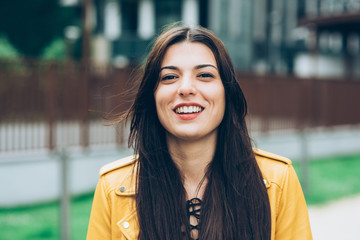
188, 109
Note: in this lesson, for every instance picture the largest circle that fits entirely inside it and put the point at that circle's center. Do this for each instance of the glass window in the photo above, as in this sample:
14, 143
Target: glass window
129, 10
167, 11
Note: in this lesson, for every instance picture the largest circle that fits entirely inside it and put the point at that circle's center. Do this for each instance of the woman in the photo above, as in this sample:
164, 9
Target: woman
195, 174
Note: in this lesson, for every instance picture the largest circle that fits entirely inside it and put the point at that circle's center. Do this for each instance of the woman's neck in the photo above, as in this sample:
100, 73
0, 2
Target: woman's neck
192, 159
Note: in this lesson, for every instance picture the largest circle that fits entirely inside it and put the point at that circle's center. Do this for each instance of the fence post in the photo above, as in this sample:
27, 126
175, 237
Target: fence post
86, 61
50, 98
85, 75
304, 160
120, 134
64, 196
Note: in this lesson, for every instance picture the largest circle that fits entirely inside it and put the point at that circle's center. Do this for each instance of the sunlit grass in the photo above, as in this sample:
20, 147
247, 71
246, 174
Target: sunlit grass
43, 221
330, 179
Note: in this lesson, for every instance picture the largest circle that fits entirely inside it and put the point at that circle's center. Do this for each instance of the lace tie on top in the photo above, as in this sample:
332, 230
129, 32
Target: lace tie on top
193, 207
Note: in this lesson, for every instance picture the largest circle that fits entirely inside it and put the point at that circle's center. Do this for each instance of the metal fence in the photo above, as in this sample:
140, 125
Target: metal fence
47, 104
278, 102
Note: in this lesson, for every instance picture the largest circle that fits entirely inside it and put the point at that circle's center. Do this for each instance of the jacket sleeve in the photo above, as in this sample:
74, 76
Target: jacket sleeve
100, 224
292, 220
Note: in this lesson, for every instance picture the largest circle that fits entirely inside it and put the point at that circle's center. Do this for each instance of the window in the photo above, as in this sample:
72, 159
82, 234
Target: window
167, 11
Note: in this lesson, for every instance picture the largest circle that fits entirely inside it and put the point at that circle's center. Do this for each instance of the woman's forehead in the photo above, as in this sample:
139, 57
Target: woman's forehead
186, 54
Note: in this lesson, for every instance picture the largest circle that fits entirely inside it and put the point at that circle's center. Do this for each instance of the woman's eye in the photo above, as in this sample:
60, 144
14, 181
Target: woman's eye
206, 75
168, 77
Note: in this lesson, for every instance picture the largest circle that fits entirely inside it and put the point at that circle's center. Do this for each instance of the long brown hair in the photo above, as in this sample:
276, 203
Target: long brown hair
235, 202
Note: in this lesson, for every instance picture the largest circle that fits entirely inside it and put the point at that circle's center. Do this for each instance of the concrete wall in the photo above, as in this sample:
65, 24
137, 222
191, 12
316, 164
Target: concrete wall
28, 179
34, 176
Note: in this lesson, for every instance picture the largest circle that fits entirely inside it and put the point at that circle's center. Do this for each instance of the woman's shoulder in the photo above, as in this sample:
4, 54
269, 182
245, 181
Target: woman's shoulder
265, 156
274, 168
118, 165
119, 176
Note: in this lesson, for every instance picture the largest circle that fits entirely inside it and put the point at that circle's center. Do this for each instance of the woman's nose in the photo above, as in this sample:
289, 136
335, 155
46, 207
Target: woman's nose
186, 87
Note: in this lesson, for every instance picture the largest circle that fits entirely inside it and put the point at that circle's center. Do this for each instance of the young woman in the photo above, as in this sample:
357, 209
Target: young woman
195, 174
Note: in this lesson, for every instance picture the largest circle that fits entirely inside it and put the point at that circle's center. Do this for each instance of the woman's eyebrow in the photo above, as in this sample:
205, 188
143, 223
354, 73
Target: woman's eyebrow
204, 66
169, 67
196, 67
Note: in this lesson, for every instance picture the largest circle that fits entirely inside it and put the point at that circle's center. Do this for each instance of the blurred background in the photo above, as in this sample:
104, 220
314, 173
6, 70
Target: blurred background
65, 64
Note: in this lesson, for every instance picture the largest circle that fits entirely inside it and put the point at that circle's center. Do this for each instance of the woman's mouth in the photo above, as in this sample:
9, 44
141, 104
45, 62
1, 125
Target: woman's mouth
188, 112
188, 109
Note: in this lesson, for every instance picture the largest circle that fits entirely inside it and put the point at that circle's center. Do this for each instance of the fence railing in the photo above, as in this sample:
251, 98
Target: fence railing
46, 104
299, 103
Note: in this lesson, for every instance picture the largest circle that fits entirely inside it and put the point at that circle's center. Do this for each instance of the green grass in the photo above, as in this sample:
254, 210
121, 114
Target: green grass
330, 179
42, 222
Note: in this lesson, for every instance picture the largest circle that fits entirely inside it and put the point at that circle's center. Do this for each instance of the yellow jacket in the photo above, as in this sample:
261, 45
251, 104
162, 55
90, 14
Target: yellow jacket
113, 214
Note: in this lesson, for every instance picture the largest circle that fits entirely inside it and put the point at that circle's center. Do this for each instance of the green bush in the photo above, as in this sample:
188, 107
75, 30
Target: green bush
7, 50
56, 50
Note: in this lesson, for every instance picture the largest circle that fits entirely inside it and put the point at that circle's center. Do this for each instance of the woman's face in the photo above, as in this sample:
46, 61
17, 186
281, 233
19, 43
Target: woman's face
190, 97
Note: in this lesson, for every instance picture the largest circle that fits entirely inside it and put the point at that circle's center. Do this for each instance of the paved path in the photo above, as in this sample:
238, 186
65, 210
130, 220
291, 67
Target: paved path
337, 220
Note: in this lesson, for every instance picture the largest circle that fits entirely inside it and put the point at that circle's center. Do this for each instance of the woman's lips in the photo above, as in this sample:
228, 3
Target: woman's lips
188, 116
188, 111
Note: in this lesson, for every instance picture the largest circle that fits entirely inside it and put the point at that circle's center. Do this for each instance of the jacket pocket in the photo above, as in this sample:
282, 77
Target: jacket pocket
129, 226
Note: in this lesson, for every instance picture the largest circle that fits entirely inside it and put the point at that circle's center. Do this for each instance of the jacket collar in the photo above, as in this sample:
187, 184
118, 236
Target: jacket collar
127, 186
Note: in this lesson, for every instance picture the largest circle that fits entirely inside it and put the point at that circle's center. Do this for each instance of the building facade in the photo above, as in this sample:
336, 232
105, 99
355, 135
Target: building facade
262, 36
333, 38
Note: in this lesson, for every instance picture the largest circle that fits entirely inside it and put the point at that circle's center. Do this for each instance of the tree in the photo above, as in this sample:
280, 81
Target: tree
6, 49
32, 25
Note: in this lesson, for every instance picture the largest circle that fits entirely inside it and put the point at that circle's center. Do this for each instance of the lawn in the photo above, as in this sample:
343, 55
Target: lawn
330, 179
42, 221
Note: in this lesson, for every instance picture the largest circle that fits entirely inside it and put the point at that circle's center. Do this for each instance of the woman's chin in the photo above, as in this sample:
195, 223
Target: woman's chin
190, 136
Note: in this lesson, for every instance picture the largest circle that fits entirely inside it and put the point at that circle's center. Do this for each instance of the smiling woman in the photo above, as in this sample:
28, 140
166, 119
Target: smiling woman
190, 96
195, 174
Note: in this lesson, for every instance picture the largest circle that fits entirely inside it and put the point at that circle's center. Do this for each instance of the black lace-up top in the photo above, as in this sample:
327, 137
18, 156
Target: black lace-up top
193, 207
